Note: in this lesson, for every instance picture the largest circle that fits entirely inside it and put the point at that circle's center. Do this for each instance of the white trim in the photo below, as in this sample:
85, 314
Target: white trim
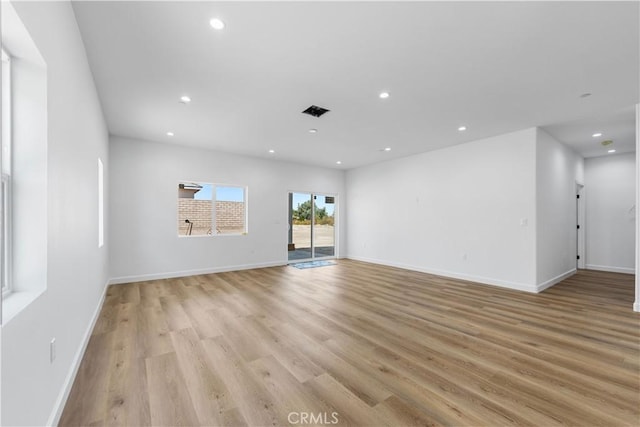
185, 273
479, 279
549, 283
636, 306
61, 401
626, 270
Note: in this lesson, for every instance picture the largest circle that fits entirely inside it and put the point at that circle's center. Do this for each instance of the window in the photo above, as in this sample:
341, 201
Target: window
23, 167
230, 211
5, 188
194, 209
211, 209
100, 203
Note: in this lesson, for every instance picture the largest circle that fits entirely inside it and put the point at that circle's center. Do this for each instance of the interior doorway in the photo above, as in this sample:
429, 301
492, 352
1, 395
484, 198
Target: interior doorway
580, 229
311, 233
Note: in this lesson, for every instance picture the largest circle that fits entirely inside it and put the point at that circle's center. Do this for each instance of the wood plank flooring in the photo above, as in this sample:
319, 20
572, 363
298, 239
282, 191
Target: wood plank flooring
360, 344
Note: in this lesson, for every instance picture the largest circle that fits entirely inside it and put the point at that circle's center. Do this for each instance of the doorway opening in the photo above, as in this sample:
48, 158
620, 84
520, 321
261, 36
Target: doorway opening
580, 242
311, 226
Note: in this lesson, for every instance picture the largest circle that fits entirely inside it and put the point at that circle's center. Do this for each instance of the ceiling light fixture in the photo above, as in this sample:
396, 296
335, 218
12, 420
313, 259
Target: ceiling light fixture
387, 149
462, 128
216, 24
338, 162
272, 151
597, 134
384, 95
313, 130
185, 99
611, 151
169, 133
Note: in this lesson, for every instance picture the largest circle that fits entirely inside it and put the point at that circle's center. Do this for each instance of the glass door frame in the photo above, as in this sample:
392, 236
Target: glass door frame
290, 208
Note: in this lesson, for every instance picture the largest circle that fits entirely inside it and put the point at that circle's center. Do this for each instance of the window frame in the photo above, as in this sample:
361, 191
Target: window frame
6, 179
214, 199
100, 203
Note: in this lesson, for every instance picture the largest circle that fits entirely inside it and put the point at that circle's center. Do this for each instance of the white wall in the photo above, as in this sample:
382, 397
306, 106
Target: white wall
558, 169
610, 195
143, 196
467, 211
32, 386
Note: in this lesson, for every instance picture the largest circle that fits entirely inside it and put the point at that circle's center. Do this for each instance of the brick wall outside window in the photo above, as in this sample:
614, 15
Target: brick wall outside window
230, 217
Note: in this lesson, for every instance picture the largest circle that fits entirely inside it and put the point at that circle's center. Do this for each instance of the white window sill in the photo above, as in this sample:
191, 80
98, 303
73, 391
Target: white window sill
15, 302
182, 236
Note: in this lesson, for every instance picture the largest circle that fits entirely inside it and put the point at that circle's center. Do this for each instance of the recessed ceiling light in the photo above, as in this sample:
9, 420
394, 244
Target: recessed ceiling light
384, 95
611, 151
585, 95
216, 24
338, 162
272, 151
185, 99
462, 128
597, 134
387, 149
169, 133
313, 130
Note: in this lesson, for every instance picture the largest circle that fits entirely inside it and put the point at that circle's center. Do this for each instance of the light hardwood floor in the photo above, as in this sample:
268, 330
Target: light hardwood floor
374, 345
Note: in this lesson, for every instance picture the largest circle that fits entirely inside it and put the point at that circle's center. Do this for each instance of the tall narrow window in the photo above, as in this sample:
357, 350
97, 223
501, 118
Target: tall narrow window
100, 203
5, 189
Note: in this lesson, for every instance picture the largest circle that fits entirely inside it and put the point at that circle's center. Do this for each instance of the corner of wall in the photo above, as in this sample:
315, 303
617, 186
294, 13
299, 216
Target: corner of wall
557, 170
636, 306
56, 413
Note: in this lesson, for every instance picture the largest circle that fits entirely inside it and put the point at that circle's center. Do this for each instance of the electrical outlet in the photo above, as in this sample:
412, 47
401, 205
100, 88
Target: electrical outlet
52, 350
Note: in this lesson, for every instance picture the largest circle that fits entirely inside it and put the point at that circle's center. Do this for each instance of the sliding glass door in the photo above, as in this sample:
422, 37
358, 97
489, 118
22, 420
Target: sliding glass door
311, 226
323, 226
300, 226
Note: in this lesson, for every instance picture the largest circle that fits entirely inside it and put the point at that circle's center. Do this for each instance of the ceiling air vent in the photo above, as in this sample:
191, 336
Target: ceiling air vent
315, 111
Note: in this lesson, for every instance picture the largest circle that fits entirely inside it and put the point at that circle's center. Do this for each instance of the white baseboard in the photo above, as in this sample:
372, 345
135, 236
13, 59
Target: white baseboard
185, 273
626, 270
636, 306
61, 401
549, 283
461, 276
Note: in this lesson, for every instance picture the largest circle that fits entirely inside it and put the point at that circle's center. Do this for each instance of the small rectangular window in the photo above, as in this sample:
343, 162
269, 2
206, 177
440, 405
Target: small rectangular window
211, 209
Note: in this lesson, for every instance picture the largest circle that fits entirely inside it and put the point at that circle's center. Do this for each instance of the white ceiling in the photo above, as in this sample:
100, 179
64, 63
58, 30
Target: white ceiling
618, 126
495, 67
